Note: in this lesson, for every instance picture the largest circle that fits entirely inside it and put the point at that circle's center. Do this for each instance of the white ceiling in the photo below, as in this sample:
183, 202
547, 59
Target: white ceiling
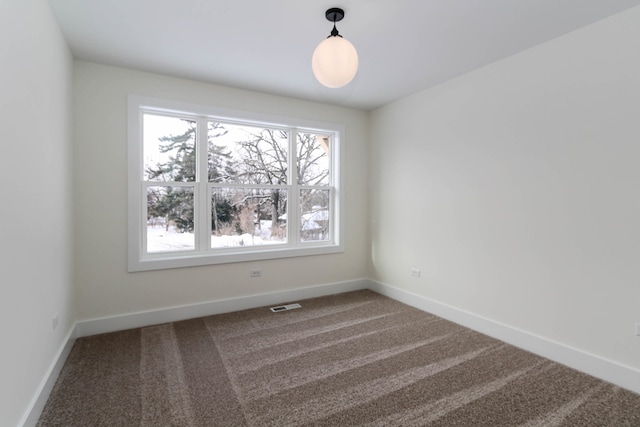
266, 45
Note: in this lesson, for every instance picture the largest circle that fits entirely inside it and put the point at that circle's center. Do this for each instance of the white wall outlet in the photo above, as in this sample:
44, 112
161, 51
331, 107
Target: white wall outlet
638, 329
415, 272
54, 321
255, 272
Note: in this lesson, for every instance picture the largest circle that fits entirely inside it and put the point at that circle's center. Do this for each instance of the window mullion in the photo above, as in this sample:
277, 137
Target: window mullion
334, 187
202, 209
293, 214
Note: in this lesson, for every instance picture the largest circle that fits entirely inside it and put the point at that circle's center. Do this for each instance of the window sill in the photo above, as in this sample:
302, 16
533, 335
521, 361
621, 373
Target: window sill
173, 260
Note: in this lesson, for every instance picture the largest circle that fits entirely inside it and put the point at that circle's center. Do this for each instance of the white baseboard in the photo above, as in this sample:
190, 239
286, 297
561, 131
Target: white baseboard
31, 416
599, 367
173, 314
623, 376
136, 320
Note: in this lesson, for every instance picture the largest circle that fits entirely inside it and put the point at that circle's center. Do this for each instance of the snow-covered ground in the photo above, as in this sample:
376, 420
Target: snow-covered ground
161, 240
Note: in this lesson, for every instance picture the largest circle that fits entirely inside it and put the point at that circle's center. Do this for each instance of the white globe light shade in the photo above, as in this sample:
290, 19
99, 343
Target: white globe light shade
335, 62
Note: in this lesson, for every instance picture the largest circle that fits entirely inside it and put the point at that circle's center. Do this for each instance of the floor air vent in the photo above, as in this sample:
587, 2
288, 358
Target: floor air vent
285, 307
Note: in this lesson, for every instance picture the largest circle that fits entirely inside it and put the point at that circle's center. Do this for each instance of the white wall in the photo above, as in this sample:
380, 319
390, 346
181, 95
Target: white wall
35, 212
100, 190
516, 186
515, 189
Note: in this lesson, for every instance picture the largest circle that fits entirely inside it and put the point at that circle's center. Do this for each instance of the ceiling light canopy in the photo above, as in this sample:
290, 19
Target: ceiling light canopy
335, 60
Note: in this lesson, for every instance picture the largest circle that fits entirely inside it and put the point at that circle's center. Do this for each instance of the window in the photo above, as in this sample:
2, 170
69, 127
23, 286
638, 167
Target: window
208, 186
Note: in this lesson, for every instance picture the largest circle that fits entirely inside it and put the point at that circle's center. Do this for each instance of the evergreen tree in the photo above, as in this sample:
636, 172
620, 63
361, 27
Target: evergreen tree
175, 204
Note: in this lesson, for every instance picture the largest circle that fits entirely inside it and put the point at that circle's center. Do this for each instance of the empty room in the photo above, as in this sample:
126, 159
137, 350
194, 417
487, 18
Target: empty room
248, 213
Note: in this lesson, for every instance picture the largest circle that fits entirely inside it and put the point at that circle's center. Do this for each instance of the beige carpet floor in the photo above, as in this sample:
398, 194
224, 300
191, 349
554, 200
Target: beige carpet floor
344, 360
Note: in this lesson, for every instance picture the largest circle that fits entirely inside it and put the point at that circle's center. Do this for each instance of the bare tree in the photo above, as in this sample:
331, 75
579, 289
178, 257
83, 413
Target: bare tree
265, 161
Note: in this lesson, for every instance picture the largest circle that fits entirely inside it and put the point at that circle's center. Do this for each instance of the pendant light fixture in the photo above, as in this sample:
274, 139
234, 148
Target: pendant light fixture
335, 60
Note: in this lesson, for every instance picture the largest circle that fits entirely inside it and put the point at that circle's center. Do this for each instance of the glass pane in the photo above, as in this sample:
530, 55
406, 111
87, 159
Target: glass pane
313, 159
170, 219
243, 154
248, 217
169, 149
315, 215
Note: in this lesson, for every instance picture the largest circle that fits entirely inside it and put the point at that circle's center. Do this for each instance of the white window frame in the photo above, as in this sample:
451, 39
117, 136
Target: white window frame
139, 260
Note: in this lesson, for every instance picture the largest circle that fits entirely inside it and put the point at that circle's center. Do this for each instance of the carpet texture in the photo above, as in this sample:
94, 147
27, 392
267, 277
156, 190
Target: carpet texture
351, 359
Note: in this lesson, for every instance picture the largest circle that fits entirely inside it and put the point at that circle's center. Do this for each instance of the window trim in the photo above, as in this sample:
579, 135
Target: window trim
138, 261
